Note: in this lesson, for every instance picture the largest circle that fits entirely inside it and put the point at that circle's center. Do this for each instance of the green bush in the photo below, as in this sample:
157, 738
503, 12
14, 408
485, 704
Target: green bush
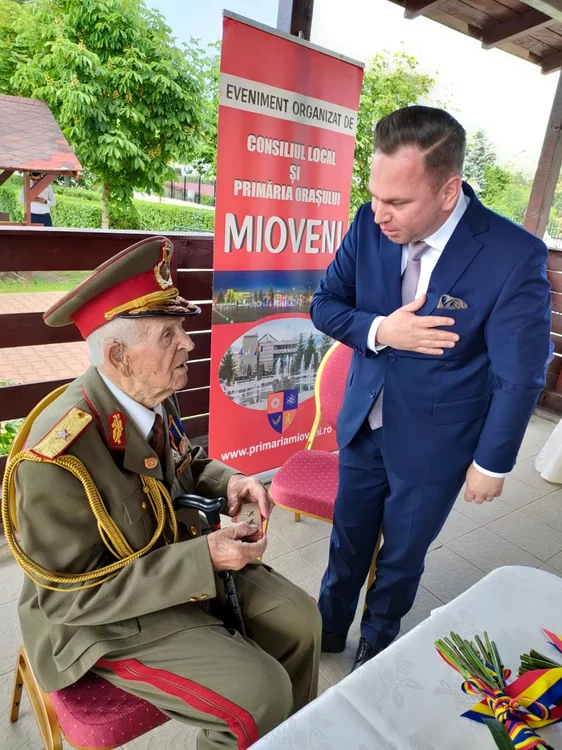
163, 217
124, 219
8, 431
81, 208
76, 212
9, 203
77, 192
207, 200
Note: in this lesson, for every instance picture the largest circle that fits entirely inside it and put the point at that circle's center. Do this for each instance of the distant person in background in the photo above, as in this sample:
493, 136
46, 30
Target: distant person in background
41, 206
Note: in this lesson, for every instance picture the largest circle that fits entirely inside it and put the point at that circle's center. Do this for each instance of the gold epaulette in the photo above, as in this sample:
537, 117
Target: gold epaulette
63, 434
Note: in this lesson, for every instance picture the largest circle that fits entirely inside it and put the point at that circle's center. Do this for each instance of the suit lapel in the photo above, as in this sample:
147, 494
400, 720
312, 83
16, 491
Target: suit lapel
391, 267
458, 254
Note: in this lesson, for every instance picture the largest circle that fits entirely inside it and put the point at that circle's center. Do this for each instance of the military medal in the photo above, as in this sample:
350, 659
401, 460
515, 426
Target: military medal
179, 443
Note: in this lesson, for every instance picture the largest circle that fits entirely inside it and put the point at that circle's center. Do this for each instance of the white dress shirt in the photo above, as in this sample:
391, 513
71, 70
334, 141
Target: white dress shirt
41, 208
142, 416
436, 242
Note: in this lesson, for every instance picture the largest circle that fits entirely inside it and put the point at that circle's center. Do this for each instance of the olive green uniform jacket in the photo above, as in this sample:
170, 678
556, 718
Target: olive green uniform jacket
158, 594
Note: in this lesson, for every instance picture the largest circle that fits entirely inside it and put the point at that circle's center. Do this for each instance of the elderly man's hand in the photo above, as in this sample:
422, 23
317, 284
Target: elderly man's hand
241, 489
228, 549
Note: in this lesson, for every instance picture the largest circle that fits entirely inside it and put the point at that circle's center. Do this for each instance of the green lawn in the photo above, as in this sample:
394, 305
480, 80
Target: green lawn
64, 281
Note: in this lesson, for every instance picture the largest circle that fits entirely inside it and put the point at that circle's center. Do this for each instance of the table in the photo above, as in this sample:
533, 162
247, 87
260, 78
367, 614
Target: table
408, 698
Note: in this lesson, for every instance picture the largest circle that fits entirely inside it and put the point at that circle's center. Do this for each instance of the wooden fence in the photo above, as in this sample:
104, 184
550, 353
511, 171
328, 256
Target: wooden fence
35, 249
551, 397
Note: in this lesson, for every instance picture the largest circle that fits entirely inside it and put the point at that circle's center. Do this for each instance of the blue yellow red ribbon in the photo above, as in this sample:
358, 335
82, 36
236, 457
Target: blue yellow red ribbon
528, 703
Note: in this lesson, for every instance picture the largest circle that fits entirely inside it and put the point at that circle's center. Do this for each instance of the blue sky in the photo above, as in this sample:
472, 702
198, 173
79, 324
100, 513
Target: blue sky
202, 19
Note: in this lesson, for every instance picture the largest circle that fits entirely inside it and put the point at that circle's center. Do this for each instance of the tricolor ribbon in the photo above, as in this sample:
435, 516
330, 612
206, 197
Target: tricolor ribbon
528, 703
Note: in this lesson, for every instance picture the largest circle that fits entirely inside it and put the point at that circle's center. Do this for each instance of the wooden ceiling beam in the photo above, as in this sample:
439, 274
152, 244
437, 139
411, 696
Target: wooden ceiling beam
552, 8
551, 63
515, 27
415, 8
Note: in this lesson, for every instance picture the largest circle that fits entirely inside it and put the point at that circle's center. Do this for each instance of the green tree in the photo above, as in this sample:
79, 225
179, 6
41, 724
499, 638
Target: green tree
11, 20
391, 81
271, 294
310, 352
479, 155
507, 191
124, 94
495, 184
207, 65
220, 298
299, 354
325, 343
227, 367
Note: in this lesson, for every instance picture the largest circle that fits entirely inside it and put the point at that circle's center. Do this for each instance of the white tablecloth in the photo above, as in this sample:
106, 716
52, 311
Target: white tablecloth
408, 698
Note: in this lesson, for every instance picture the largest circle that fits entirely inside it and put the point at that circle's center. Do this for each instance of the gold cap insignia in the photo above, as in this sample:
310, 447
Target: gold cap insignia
162, 272
151, 462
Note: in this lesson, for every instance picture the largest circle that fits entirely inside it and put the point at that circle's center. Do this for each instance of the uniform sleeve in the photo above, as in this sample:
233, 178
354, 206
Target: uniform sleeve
59, 531
210, 476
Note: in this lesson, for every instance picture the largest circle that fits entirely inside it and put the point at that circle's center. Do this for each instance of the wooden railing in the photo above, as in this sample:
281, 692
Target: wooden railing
36, 249
551, 397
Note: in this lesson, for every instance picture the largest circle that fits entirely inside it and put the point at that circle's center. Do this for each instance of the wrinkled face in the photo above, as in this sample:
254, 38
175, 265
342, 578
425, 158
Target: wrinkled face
407, 201
156, 366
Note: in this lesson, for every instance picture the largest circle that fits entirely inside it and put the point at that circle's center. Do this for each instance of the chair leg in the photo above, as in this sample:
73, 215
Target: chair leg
373, 569
16, 693
297, 517
40, 702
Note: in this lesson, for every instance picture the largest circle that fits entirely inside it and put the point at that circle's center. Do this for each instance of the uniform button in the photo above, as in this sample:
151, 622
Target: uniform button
392, 357
193, 600
372, 394
204, 596
144, 505
193, 530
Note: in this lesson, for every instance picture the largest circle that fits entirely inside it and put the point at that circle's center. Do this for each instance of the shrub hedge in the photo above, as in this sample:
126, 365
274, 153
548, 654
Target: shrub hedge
81, 208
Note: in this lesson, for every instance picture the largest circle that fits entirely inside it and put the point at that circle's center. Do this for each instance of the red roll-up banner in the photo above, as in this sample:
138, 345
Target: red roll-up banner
287, 122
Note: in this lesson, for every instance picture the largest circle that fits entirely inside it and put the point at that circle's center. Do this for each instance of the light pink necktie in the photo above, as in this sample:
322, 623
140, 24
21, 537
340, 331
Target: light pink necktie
410, 279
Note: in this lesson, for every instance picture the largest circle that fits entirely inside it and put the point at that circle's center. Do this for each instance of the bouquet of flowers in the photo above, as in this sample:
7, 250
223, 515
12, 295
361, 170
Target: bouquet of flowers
511, 710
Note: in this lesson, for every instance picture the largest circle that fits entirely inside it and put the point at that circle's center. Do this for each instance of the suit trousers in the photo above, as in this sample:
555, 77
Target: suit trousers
235, 689
410, 515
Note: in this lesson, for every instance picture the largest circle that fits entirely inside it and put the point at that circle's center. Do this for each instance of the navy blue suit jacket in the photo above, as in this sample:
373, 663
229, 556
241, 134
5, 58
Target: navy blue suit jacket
473, 402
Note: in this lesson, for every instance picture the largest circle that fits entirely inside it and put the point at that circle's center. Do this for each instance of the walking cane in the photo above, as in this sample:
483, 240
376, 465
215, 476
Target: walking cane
212, 509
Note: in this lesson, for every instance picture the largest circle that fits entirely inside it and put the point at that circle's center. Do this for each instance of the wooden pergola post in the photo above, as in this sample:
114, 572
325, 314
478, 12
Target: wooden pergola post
295, 17
548, 170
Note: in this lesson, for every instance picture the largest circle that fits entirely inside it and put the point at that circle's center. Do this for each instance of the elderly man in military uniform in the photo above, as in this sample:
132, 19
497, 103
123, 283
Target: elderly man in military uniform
115, 584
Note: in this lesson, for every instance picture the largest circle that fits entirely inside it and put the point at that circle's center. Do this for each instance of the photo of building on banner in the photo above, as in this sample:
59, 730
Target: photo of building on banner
287, 122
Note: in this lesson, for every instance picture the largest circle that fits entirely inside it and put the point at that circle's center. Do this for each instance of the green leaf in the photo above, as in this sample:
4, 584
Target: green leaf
499, 734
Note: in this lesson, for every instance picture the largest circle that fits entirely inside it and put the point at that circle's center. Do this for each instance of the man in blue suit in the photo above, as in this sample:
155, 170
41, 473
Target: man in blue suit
447, 308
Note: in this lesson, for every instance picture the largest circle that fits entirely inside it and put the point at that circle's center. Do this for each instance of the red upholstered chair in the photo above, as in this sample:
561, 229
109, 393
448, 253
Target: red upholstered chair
307, 483
92, 714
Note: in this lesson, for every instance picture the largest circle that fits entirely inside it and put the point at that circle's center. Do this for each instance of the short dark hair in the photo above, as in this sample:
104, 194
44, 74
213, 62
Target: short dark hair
435, 132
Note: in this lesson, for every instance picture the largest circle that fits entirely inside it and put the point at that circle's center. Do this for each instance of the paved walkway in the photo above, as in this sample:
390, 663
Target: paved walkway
28, 364
523, 527
32, 302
